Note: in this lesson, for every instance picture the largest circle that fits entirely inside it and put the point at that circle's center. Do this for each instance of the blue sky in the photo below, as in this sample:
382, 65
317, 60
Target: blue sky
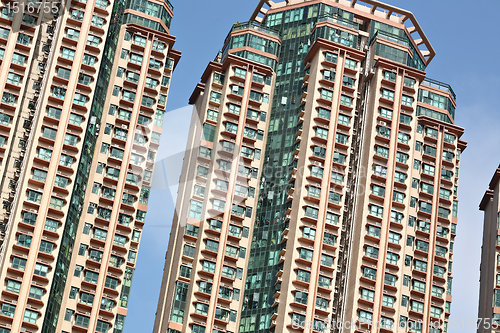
465, 37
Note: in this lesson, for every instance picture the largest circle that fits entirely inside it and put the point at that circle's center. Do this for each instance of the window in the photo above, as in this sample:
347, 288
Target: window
66, 53
128, 95
386, 113
82, 321
205, 287
384, 132
234, 230
369, 273
341, 138
56, 203
66, 160
433, 133
237, 90
316, 171
23, 240
41, 270
398, 196
119, 240
314, 192
97, 21
390, 279
420, 265
202, 171
324, 113
39, 175
380, 170
396, 216
51, 224
417, 306
249, 133
18, 263
219, 205
394, 237
46, 247
409, 82
208, 266
368, 295
303, 275
376, 210
139, 40
399, 177
205, 152
365, 317
348, 81
240, 72
70, 139
443, 212
155, 64
72, 34
388, 94
321, 132
311, 212
441, 251
391, 76
75, 119
8, 309
53, 112
407, 100
215, 97
371, 252
237, 210
14, 78
350, 63
405, 119
61, 181
327, 94
102, 326
13, 286
36, 292
388, 301
337, 178
403, 138
111, 282
382, 151
300, 297
331, 57
86, 298
49, 133
373, 231
345, 100
308, 232
201, 308
306, 254
422, 245
231, 251
326, 260
136, 58
100, 234
151, 83
446, 174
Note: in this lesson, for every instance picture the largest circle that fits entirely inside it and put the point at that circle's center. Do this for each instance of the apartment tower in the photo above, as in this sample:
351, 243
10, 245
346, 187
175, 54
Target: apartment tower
84, 86
351, 218
489, 292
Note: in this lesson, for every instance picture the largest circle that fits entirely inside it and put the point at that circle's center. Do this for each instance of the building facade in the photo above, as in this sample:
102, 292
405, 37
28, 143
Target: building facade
84, 86
489, 294
356, 207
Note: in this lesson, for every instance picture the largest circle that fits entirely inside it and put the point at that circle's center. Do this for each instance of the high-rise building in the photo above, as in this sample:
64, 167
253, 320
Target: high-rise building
320, 180
489, 291
84, 86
